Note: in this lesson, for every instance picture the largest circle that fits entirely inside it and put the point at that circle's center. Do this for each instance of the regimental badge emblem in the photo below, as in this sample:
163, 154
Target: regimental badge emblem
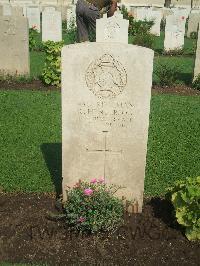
106, 77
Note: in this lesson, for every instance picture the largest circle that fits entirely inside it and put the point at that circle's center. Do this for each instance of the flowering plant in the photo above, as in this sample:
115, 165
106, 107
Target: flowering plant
92, 206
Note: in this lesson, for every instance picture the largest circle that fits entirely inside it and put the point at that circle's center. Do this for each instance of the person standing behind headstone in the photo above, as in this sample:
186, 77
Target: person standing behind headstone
87, 11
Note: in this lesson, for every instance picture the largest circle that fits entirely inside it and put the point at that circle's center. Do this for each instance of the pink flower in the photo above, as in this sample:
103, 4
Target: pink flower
88, 191
101, 180
94, 180
81, 219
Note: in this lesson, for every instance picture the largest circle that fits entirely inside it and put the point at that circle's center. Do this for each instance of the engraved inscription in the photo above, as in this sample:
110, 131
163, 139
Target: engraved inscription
120, 114
105, 150
106, 77
111, 30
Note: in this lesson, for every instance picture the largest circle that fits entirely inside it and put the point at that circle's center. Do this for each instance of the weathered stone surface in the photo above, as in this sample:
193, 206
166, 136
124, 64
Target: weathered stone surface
194, 20
197, 59
9, 10
112, 29
174, 33
1, 10
14, 45
196, 3
33, 15
51, 26
105, 115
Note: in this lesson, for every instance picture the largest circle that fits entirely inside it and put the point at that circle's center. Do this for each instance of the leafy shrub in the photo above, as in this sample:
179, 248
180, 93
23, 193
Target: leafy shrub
15, 78
193, 35
167, 74
64, 25
51, 74
145, 40
92, 207
137, 27
174, 52
32, 38
196, 83
185, 197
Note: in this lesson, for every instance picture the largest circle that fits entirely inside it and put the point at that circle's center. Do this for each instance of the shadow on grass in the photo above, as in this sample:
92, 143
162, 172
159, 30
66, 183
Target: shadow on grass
52, 153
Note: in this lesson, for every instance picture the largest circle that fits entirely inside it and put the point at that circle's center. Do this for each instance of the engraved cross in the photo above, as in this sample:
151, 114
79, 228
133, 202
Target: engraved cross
105, 150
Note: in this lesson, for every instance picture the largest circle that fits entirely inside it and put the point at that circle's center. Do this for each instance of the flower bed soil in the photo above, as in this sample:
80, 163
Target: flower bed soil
37, 85
28, 235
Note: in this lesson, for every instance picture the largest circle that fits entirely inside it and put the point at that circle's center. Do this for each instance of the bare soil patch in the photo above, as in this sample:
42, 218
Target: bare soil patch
27, 235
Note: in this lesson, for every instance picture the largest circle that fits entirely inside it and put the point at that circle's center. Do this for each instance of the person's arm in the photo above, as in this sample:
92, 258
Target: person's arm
112, 8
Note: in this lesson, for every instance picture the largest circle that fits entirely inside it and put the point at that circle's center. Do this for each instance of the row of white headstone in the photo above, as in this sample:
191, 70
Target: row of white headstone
106, 90
175, 24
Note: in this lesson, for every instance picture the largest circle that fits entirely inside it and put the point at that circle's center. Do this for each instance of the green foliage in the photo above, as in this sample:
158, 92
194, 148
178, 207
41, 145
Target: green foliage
145, 40
196, 83
32, 38
185, 196
174, 52
71, 31
167, 74
137, 27
193, 35
16, 78
97, 210
140, 30
64, 25
51, 74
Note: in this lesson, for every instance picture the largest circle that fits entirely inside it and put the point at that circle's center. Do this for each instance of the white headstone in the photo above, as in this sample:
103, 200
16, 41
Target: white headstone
157, 3
194, 20
112, 29
174, 40
174, 33
7, 10
156, 16
33, 15
197, 59
14, 46
71, 16
49, 8
106, 90
51, 26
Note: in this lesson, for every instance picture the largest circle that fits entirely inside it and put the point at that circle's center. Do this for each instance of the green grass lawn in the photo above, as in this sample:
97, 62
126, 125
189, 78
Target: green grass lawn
30, 139
185, 62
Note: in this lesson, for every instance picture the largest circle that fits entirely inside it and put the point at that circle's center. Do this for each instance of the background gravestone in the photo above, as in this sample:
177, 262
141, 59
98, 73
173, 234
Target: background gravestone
193, 22
71, 16
105, 114
51, 26
174, 33
197, 59
7, 10
33, 15
14, 45
112, 29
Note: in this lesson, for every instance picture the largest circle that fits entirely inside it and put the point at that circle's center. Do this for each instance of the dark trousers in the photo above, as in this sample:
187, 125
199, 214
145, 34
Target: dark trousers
86, 15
